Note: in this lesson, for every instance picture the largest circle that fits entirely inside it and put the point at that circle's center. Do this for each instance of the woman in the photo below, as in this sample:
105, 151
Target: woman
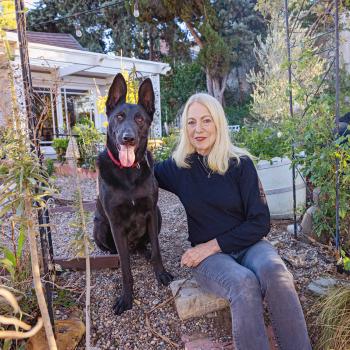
228, 219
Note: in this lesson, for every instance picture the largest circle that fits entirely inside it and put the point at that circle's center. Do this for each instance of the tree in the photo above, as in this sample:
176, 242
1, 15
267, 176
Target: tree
107, 28
270, 93
91, 25
223, 29
184, 80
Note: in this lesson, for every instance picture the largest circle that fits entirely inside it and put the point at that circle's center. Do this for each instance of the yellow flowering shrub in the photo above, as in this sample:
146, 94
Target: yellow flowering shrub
132, 95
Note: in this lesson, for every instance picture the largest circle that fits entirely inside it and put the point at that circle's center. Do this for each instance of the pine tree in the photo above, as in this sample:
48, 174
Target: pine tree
110, 28
224, 30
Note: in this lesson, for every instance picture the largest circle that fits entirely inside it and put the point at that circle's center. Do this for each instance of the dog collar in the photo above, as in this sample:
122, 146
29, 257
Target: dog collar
117, 163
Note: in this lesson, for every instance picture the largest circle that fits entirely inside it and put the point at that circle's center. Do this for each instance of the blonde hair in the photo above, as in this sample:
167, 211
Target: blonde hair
223, 149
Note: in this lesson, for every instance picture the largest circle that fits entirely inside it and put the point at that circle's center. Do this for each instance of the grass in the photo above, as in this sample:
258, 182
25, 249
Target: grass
332, 323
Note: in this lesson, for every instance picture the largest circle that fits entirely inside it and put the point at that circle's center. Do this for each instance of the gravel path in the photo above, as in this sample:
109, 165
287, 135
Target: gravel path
129, 331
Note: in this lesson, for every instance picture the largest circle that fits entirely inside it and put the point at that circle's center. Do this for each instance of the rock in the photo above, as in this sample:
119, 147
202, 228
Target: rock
68, 336
203, 344
193, 302
321, 285
316, 195
297, 261
290, 229
72, 149
306, 223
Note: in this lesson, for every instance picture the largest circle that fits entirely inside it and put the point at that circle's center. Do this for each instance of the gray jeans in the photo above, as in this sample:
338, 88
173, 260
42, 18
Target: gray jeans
246, 279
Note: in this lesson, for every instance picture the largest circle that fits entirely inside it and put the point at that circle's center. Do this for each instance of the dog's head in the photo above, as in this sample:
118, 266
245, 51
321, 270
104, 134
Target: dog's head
128, 124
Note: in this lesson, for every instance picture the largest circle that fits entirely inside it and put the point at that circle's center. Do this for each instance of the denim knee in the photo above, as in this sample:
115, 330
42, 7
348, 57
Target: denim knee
244, 286
274, 274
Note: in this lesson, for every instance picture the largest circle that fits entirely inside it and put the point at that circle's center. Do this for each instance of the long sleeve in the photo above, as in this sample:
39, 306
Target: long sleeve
256, 212
165, 173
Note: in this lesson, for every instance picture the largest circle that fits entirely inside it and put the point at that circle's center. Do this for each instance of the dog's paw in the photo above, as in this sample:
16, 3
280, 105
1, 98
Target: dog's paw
122, 304
164, 278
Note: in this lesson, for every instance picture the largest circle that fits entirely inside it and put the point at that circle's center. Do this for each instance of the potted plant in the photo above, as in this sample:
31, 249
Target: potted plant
270, 147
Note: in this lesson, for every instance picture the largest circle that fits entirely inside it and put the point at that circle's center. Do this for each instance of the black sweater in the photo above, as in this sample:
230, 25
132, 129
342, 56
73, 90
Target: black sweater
231, 208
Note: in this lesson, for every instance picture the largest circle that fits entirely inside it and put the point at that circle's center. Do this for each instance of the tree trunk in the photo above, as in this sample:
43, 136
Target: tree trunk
209, 83
216, 86
36, 275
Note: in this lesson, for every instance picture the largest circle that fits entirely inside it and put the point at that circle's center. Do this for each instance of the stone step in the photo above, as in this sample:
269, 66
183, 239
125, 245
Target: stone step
205, 343
191, 301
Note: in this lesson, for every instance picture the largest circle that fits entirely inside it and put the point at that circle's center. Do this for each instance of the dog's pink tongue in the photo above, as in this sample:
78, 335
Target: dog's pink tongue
127, 155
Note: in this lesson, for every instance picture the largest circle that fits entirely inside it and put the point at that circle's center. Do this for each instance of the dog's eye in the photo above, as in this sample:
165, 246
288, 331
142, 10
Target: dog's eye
139, 119
120, 117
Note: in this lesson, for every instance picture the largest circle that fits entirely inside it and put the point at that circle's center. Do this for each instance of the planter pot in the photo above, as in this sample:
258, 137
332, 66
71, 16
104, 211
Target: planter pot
68, 170
276, 179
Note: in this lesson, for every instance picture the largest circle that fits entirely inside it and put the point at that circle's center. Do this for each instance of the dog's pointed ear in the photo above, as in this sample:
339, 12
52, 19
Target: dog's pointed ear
117, 93
146, 96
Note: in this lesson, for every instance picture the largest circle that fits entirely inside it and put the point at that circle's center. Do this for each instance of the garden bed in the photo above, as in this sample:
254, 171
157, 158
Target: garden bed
68, 170
306, 261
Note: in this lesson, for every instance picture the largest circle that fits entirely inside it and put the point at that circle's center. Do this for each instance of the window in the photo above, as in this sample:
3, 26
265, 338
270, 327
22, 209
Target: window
77, 105
45, 112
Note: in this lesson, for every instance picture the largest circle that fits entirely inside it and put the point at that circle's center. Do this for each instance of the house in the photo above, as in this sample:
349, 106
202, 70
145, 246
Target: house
69, 79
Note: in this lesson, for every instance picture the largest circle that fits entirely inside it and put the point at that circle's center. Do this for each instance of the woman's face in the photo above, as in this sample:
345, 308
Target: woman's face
201, 129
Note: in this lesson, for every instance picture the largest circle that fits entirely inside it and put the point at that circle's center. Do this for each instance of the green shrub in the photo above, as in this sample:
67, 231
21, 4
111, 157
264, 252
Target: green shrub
165, 150
236, 114
60, 145
49, 163
183, 80
89, 140
263, 143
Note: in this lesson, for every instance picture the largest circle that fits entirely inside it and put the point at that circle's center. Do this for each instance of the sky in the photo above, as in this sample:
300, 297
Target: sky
30, 3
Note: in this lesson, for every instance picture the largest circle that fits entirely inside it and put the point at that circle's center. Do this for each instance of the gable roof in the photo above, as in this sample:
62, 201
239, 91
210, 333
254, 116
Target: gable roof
54, 39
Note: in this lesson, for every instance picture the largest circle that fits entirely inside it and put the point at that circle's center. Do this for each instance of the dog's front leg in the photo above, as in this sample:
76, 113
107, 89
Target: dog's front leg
162, 275
124, 302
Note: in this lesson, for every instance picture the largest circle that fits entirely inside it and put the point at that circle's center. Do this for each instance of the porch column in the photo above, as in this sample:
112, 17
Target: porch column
19, 90
100, 118
156, 129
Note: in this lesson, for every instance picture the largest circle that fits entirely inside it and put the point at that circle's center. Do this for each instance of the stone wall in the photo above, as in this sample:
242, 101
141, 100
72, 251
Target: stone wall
5, 96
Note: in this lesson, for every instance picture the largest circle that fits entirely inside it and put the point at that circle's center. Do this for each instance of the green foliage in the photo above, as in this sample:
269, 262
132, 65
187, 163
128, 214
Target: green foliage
89, 141
263, 143
182, 81
20, 173
13, 259
215, 56
139, 37
64, 298
21, 177
314, 134
60, 145
79, 224
345, 260
237, 114
165, 150
49, 163
271, 88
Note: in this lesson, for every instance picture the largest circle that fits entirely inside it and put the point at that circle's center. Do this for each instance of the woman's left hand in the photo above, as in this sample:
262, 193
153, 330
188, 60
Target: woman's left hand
194, 256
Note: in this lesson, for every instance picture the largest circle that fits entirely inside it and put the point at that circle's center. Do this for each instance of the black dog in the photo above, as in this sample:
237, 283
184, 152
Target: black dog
127, 216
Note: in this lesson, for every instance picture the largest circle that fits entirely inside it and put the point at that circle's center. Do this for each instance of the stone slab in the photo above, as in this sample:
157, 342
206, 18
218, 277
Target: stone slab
193, 302
206, 343
68, 336
321, 285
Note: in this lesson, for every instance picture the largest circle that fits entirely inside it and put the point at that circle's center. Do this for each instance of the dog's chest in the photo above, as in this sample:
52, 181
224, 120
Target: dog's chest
133, 217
